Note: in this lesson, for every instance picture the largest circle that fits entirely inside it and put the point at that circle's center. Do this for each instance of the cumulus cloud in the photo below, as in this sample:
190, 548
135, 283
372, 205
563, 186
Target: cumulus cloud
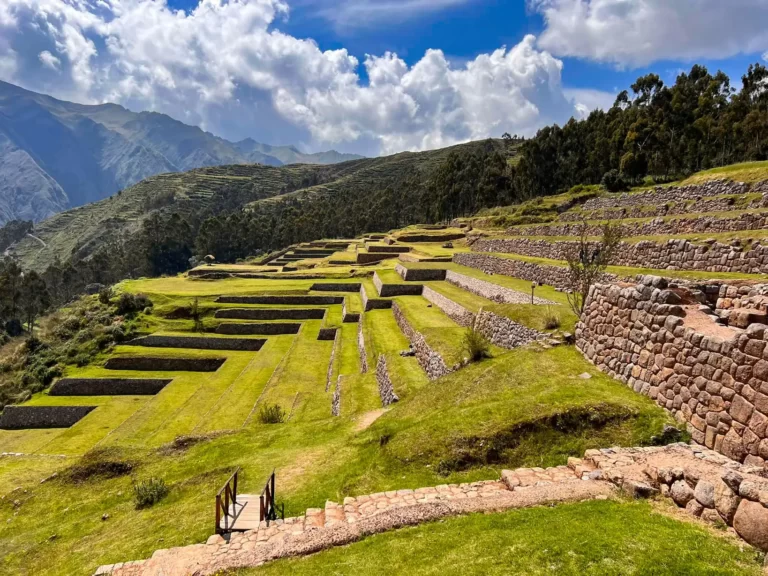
587, 100
634, 33
49, 60
226, 66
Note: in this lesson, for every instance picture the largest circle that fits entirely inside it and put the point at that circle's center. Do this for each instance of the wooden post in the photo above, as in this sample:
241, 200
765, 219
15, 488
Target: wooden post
218, 514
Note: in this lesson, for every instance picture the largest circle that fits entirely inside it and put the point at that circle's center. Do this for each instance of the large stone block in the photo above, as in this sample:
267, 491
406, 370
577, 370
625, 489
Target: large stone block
751, 523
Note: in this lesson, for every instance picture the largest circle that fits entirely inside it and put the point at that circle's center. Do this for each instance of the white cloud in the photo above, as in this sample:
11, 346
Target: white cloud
227, 67
49, 60
586, 100
765, 56
634, 33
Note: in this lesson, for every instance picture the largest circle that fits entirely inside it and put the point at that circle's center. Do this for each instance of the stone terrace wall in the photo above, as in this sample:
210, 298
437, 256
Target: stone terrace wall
420, 274
258, 328
280, 300
386, 389
492, 291
27, 417
336, 400
162, 364
504, 332
327, 333
389, 290
361, 348
655, 227
329, 373
668, 209
432, 363
272, 313
556, 276
669, 255
453, 310
200, 343
718, 387
348, 317
107, 386
336, 287
373, 303
671, 194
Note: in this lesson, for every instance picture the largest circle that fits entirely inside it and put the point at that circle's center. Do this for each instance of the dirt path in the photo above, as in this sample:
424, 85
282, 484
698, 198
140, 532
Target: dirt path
369, 418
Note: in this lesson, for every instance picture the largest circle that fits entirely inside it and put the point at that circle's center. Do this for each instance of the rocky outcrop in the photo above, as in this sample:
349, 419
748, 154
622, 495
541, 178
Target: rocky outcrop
431, 361
386, 389
714, 379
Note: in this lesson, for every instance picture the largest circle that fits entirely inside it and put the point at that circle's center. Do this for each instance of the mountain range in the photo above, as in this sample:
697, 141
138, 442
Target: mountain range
57, 155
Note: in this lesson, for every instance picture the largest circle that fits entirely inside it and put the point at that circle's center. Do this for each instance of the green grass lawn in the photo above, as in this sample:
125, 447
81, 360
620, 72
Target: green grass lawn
607, 538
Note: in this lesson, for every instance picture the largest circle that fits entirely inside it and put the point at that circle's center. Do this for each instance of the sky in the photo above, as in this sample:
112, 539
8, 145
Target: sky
369, 76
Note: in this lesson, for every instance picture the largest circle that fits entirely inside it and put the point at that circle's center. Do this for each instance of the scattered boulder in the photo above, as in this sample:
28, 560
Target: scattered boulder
705, 494
681, 493
751, 523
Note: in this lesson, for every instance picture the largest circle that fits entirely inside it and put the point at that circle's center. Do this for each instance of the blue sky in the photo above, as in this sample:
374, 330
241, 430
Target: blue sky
380, 76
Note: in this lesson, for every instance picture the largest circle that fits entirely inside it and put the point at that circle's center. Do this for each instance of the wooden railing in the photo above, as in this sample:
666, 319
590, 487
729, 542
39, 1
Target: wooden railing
267, 508
226, 502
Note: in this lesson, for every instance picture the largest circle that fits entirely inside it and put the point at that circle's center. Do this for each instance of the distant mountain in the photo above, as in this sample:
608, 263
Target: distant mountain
290, 154
56, 155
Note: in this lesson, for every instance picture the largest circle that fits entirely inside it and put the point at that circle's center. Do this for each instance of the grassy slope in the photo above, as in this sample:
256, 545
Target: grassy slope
596, 538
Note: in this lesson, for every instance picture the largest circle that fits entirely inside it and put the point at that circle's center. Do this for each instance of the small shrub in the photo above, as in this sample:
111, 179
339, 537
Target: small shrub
149, 492
551, 320
132, 303
273, 414
105, 295
475, 345
613, 182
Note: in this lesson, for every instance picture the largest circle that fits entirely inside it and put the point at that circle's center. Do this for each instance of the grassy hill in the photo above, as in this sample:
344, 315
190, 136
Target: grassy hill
77, 233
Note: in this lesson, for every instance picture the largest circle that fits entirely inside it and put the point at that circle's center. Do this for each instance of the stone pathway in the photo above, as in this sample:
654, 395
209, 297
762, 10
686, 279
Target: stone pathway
721, 489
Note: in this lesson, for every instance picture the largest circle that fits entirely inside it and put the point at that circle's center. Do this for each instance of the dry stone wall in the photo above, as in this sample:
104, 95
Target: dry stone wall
108, 386
361, 348
200, 343
28, 417
373, 303
655, 227
504, 332
432, 363
386, 389
271, 313
390, 290
327, 334
661, 195
161, 364
336, 400
420, 274
718, 386
282, 300
556, 276
492, 291
258, 328
669, 255
453, 310
336, 287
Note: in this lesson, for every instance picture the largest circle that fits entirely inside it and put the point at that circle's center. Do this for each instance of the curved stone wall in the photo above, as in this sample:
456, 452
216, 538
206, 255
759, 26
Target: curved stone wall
107, 386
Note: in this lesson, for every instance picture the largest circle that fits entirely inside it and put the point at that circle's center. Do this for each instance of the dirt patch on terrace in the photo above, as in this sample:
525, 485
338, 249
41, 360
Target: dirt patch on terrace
703, 323
367, 419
